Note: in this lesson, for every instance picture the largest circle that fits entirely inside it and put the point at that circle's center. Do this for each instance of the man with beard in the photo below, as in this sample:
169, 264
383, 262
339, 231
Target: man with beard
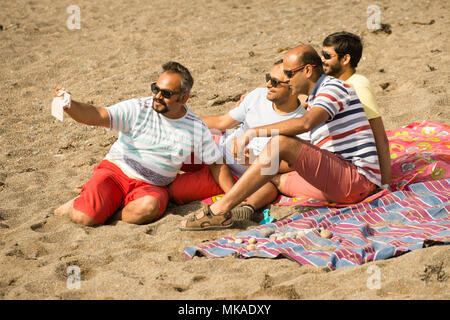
341, 53
156, 135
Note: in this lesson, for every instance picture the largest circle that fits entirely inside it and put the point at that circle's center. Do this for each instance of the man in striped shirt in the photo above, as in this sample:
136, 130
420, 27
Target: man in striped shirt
156, 135
336, 156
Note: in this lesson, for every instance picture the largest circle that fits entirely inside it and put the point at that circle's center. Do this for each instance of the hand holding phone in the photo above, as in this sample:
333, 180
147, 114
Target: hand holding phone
61, 101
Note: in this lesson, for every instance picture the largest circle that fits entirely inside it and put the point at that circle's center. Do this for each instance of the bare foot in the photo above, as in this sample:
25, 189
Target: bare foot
65, 209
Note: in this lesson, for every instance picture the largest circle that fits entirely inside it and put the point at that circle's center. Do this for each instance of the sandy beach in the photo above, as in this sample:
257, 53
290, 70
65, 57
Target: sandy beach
228, 47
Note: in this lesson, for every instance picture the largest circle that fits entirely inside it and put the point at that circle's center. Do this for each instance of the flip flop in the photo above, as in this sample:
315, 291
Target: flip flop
209, 221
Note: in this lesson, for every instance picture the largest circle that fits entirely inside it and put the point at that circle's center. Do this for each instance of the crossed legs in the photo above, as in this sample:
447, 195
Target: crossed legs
289, 150
198, 183
336, 179
252, 179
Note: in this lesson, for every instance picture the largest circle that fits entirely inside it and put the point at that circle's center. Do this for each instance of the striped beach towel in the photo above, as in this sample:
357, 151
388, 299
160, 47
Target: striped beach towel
382, 226
419, 152
391, 225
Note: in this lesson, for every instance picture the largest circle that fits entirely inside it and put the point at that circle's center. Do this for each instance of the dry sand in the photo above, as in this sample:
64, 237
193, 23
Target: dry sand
228, 46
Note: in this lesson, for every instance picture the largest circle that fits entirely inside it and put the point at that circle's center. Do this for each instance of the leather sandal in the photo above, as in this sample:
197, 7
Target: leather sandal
243, 212
209, 221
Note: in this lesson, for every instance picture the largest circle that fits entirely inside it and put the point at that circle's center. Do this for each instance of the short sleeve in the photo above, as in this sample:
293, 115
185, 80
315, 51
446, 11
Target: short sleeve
367, 98
365, 93
329, 99
123, 114
242, 109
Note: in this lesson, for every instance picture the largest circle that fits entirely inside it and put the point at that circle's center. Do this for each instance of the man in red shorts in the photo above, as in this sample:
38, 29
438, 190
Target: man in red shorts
336, 155
156, 134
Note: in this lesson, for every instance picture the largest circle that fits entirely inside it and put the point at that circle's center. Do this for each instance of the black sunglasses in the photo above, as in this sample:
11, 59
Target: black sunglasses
290, 73
273, 81
327, 56
166, 93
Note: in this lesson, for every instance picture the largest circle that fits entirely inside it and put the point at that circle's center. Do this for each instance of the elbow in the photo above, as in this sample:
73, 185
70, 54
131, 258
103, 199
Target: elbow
305, 126
222, 126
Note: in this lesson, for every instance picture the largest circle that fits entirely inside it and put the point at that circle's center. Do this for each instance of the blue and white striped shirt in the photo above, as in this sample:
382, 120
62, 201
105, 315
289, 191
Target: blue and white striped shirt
152, 147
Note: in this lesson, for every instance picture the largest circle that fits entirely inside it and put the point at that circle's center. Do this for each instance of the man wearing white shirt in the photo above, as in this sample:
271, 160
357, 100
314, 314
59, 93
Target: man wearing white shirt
262, 106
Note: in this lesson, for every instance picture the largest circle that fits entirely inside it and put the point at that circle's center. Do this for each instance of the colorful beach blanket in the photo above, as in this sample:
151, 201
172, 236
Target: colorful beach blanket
386, 227
419, 152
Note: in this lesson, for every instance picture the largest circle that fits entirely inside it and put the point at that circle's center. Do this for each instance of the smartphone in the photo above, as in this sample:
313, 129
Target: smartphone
58, 108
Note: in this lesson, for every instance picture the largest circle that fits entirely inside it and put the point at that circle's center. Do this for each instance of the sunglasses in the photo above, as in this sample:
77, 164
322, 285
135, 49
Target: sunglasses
290, 73
166, 93
327, 56
273, 81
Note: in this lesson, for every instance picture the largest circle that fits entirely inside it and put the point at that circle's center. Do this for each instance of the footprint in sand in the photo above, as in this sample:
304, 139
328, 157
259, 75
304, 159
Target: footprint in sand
39, 227
151, 230
30, 250
198, 278
53, 232
15, 251
55, 237
5, 214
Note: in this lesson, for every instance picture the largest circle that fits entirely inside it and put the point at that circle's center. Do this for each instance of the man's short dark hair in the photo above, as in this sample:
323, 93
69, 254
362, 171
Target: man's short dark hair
186, 79
345, 43
311, 57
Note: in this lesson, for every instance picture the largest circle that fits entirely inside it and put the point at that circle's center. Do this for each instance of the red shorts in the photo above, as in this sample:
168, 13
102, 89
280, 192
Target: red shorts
109, 190
323, 175
194, 185
197, 183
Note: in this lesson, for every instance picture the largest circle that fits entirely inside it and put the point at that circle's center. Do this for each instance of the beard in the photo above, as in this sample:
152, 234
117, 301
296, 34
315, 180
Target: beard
161, 102
277, 99
332, 70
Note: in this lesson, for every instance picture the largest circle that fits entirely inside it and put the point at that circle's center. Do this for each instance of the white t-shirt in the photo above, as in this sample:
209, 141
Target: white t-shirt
254, 111
152, 147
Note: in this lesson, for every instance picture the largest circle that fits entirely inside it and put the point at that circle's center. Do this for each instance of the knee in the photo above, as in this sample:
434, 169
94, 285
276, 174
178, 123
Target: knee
272, 192
276, 180
149, 206
81, 218
144, 210
286, 143
288, 148
279, 181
